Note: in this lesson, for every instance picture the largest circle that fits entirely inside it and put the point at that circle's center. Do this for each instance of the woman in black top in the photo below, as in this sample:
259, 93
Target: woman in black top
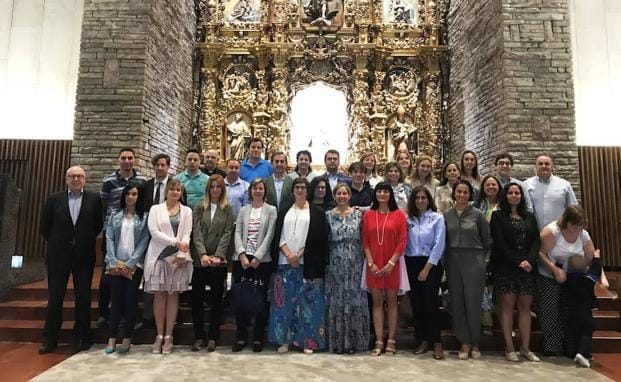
516, 244
320, 193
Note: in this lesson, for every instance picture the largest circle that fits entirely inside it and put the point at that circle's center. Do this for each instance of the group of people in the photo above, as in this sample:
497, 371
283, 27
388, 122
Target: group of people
321, 259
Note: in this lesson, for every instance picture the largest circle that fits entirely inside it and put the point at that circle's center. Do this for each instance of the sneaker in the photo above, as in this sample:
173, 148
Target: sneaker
581, 361
283, 349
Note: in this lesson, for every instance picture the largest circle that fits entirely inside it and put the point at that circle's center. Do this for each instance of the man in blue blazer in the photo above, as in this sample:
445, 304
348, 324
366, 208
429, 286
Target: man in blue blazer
71, 221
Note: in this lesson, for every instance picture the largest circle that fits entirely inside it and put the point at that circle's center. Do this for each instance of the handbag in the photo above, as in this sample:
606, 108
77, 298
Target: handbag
249, 294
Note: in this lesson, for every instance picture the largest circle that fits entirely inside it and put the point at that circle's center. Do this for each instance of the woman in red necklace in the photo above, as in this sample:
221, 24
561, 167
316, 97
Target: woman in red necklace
384, 237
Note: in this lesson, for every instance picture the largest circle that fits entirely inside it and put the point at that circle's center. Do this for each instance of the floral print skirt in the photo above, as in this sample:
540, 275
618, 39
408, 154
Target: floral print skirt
298, 309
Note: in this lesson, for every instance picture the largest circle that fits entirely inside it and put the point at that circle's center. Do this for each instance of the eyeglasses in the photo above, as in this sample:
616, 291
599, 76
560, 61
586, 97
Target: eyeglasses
504, 163
75, 176
300, 187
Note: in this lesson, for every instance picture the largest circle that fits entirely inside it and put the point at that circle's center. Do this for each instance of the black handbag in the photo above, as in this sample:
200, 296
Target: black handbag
249, 294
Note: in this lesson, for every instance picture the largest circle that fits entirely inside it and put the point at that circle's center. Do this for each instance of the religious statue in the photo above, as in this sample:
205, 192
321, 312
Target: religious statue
238, 136
235, 84
403, 84
242, 11
400, 135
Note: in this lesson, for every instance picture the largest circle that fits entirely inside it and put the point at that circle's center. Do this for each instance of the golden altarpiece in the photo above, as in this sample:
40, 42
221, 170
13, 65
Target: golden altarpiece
385, 56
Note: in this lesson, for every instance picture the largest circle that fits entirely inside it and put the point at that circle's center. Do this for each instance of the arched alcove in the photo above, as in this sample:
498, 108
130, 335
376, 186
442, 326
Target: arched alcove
319, 121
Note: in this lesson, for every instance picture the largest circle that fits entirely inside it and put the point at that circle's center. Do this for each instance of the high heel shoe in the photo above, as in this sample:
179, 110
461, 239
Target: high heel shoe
168, 345
157, 345
391, 347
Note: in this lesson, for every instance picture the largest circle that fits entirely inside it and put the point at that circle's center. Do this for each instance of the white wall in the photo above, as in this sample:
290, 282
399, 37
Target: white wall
39, 51
596, 35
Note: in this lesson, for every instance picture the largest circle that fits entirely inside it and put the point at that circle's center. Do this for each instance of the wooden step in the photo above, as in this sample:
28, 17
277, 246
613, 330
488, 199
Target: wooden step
607, 320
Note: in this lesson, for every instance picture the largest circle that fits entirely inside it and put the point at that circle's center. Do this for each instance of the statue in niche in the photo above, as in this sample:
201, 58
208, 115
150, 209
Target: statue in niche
242, 11
399, 11
401, 135
238, 134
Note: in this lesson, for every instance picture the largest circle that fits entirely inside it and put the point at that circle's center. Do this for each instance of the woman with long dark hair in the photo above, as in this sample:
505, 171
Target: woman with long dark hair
127, 238
425, 246
303, 167
320, 193
384, 238
470, 171
514, 256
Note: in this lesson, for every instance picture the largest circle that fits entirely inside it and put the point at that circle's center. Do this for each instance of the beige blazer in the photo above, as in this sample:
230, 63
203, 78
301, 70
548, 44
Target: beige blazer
162, 234
266, 232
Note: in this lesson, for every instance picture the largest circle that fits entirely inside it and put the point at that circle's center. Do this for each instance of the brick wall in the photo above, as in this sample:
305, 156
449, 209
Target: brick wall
511, 82
134, 78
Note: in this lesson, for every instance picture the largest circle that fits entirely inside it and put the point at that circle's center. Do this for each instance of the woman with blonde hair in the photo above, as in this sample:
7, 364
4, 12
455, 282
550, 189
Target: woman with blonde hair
423, 174
167, 268
369, 161
213, 221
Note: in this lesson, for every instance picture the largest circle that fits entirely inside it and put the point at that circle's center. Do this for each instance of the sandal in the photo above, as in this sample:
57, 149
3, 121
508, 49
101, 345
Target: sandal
391, 347
157, 345
168, 345
377, 351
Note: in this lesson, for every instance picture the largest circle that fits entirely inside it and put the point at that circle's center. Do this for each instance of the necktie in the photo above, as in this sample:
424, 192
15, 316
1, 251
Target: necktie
156, 199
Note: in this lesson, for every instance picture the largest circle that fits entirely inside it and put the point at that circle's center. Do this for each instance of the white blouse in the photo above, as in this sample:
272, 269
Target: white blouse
294, 232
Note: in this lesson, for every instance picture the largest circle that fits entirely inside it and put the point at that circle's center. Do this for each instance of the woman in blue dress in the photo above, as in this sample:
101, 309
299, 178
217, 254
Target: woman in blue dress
346, 301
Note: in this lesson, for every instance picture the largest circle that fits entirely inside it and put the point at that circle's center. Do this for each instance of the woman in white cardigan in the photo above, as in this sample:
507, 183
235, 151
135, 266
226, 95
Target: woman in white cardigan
168, 264
254, 232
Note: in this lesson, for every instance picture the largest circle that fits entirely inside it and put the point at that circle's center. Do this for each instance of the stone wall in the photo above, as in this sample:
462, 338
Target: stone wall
134, 83
518, 97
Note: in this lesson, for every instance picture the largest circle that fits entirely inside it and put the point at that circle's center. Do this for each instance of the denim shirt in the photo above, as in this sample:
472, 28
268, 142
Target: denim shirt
426, 236
113, 238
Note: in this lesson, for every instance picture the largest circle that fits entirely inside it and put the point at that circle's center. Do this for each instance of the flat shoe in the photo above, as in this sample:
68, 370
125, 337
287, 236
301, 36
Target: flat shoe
475, 354
308, 351
462, 356
422, 349
283, 349
111, 350
257, 347
238, 346
512, 356
529, 355
211, 346
198, 345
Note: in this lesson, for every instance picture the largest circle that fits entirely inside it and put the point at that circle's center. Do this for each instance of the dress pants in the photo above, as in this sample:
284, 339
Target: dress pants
57, 278
424, 298
104, 286
201, 277
465, 271
243, 318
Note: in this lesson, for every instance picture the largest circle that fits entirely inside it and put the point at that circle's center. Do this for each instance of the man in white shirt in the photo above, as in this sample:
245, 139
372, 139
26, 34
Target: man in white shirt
549, 193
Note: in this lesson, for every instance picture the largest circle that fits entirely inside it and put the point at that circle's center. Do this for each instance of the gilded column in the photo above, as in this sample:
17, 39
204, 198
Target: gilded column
359, 122
210, 133
433, 127
278, 139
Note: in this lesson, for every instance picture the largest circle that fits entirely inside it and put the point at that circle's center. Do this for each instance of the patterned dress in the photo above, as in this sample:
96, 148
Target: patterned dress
517, 281
346, 302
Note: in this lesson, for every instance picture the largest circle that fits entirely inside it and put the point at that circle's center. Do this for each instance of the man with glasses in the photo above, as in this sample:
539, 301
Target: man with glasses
70, 223
549, 193
504, 165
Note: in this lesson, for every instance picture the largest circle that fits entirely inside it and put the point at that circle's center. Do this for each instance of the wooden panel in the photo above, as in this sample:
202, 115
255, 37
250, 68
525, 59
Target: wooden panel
600, 175
38, 168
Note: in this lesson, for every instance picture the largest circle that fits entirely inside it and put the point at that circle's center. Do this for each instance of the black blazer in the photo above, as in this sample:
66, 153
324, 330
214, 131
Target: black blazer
316, 247
147, 192
505, 256
63, 238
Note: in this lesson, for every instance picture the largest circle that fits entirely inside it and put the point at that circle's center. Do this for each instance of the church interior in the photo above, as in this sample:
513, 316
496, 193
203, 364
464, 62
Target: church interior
425, 77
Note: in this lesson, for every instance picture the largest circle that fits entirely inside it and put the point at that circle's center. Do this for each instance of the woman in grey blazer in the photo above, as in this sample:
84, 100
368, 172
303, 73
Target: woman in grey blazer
254, 232
212, 227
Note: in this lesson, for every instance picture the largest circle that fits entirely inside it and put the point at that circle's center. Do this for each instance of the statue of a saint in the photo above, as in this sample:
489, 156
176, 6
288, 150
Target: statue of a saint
238, 136
400, 135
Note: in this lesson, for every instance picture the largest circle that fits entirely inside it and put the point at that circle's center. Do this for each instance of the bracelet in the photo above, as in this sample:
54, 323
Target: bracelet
391, 263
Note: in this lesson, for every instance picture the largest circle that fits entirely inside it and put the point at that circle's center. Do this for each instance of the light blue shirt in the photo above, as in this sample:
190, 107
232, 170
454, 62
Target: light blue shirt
426, 236
75, 203
278, 183
237, 194
550, 198
527, 201
194, 186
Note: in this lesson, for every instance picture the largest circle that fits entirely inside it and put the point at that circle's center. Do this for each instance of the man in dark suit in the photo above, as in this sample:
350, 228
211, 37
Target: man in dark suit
71, 221
211, 158
278, 191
